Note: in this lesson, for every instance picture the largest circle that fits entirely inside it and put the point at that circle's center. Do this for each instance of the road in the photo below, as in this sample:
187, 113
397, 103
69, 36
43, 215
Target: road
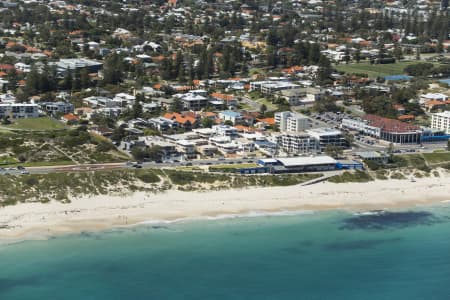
359, 147
255, 106
112, 166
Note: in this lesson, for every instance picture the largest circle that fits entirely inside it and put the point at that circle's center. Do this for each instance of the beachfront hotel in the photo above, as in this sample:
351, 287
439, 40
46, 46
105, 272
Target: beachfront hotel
441, 121
389, 130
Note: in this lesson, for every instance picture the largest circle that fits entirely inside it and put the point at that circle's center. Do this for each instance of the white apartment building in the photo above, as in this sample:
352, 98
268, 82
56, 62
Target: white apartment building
296, 143
432, 96
361, 126
328, 136
441, 121
19, 110
291, 122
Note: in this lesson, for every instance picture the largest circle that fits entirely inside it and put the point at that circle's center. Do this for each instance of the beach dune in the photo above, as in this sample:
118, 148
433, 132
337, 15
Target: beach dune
37, 220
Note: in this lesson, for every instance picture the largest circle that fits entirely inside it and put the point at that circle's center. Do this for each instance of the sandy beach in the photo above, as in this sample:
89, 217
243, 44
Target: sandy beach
37, 220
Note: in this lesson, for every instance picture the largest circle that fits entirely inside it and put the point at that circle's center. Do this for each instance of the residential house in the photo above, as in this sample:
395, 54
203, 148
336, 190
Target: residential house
232, 116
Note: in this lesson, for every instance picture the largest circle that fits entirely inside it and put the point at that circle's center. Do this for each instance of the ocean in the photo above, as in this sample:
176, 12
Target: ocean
320, 255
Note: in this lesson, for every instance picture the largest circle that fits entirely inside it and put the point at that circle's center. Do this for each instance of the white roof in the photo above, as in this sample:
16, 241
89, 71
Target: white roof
303, 161
445, 114
268, 160
434, 96
323, 131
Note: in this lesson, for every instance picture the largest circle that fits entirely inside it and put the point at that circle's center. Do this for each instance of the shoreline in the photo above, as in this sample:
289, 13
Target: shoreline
31, 221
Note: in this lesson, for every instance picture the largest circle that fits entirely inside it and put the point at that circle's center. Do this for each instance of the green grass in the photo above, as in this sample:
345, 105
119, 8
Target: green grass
374, 71
230, 168
410, 161
235, 166
437, 157
7, 160
270, 106
36, 124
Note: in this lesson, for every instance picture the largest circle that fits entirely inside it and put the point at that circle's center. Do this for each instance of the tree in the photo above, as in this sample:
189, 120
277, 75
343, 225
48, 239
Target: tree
32, 82
12, 80
137, 110
390, 149
76, 82
176, 106
85, 80
207, 122
113, 69
155, 153
138, 153
118, 134
6, 121
67, 81
358, 55
324, 71
333, 151
263, 109
417, 54
398, 54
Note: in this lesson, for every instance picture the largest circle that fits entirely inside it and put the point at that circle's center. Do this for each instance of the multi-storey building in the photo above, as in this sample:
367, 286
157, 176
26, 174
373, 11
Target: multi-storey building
291, 122
19, 110
441, 121
328, 136
296, 143
390, 130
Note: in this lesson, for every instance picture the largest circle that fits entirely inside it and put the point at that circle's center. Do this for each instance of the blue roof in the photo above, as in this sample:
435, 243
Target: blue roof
230, 113
397, 77
265, 143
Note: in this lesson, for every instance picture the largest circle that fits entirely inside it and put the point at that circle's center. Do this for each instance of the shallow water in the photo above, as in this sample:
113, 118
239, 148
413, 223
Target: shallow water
327, 255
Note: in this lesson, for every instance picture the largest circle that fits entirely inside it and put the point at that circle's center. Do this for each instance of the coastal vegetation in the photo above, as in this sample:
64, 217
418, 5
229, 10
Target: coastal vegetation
420, 161
61, 147
65, 186
357, 176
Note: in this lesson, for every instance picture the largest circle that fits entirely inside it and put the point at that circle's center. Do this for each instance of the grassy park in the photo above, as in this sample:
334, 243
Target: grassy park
35, 124
373, 71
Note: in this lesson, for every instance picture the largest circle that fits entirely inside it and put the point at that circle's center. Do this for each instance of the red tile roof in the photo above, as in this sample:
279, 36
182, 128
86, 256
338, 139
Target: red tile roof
406, 117
389, 125
71, 117
6, 67
270, 121
222, 96
182, 119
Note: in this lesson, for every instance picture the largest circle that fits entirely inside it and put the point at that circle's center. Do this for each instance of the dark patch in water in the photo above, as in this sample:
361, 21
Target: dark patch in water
306, 243
294, 250
387, 220
299, 248
10, 284
358, 244
159, 227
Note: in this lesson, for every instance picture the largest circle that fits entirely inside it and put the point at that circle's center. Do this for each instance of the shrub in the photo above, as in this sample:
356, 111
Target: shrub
104, 146
148, 177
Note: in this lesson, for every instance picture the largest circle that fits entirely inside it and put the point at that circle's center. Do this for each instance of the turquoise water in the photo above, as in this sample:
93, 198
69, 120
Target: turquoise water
446, 80
332, 255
